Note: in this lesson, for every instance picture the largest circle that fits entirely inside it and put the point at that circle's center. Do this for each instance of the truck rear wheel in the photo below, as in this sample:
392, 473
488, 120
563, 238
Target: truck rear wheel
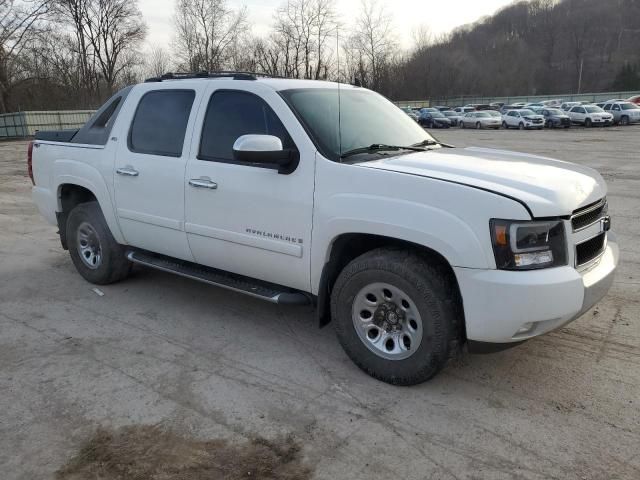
94, 252
395, 316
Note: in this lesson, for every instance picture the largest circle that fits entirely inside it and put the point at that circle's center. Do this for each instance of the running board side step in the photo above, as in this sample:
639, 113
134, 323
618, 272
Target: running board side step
237, 283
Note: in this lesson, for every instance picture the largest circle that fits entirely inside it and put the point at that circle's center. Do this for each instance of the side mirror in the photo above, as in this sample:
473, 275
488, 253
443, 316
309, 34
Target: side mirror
265, 151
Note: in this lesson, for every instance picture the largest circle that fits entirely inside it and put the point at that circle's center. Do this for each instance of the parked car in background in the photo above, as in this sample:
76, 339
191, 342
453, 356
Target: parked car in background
433, 119
589, 116
442, 108
635, 99
624, 112
455, 117
463, 110
411, 112
534, 104
536, 109
506, 108
554, 117
522, 119
555, 102
566, 106
480, 120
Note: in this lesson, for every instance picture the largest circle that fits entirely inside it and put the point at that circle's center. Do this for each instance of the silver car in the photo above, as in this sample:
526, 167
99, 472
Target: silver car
480, 120
624, 113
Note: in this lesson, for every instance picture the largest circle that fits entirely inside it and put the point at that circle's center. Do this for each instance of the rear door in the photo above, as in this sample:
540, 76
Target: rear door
149, 169
240, 217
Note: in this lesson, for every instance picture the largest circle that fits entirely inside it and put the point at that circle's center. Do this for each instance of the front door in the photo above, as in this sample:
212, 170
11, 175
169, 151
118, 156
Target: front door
240, 217
149, 171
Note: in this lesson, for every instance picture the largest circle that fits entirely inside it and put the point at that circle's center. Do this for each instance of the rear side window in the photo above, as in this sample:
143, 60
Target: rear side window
230, 115
160, 122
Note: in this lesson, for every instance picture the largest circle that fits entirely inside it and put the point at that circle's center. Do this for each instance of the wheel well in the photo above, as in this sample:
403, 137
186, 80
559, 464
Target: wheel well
69, 196
349, 246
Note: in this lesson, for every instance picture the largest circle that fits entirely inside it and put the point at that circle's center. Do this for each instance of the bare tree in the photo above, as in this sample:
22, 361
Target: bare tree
18, 22
105, 35
116, 30
374, 38
206, 31
158, 62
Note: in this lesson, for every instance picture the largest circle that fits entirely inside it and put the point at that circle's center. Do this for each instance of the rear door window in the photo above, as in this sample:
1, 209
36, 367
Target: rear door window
160, 122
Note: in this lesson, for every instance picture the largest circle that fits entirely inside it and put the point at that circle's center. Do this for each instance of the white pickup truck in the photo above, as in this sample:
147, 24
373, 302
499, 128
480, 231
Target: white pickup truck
302, 192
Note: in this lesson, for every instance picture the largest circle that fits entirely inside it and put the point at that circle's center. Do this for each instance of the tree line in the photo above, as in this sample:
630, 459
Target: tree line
71, 54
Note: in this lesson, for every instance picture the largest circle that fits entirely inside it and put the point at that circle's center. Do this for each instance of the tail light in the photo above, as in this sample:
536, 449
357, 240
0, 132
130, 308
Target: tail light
30, 161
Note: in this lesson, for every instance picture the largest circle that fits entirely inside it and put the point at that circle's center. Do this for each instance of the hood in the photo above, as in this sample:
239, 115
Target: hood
548, 187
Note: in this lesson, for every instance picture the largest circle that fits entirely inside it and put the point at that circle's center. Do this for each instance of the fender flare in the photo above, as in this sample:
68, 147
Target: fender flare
88, 177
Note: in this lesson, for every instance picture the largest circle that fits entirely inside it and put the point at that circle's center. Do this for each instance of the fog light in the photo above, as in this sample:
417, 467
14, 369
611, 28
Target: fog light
533, 258
526, 328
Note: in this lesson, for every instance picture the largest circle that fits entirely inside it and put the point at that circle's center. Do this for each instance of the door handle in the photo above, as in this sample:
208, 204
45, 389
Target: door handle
203, 183
127, 171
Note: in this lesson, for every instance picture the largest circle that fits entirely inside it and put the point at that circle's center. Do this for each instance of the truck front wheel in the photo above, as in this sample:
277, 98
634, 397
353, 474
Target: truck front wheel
395, 316
94, 252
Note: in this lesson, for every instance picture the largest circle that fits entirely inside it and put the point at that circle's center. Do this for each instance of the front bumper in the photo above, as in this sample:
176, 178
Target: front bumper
508, 307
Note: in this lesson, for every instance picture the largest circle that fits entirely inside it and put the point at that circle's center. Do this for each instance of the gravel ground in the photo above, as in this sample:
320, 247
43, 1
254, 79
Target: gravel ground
209, 364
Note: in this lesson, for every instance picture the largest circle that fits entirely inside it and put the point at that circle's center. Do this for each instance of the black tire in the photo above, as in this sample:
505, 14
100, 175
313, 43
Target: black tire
588, 123
429, 287
505, 126
113, 265
462, 125
624, 120
478, 126
521, 126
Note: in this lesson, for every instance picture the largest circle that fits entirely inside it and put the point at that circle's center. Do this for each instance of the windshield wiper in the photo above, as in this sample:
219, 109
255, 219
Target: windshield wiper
380, 147
429, 143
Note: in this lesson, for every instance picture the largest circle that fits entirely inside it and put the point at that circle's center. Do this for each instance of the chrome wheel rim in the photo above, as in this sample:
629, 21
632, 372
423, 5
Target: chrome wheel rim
387, 321
89, 247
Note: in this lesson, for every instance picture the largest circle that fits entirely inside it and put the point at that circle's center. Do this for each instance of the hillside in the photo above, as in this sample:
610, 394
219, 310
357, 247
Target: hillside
530, 48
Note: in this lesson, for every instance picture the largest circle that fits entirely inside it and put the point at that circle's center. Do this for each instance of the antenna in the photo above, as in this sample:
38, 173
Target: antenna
339, 81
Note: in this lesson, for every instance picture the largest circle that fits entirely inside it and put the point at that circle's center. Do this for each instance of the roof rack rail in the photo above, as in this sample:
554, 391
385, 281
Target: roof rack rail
204, 74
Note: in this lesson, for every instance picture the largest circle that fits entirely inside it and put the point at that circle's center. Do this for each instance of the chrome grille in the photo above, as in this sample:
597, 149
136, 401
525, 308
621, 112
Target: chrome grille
588, 215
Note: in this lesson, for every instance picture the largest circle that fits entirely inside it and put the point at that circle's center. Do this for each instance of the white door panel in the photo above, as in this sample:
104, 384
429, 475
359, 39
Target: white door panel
256, 222
149, 187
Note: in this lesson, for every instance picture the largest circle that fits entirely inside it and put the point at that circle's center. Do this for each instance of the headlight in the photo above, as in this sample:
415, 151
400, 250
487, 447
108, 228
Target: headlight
521, 245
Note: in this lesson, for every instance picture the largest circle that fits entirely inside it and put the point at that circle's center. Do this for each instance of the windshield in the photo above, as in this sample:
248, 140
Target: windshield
493, 113
593, 109
437, 115
554, 111
628, 106
526, 112
449, 113
365, 119
482, 115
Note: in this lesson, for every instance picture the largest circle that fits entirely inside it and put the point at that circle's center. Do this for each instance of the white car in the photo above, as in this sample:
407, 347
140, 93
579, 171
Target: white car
409, 246
589, 116
624, 113
522, 119
480, 120
566, 106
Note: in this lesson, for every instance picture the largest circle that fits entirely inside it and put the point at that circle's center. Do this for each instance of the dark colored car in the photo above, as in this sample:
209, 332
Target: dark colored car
554, 117
433, 119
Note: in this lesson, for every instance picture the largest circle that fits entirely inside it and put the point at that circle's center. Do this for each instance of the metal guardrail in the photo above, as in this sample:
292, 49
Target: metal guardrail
460, 100
26, 124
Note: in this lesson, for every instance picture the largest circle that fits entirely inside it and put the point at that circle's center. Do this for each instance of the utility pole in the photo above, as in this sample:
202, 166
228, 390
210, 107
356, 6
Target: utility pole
580, 76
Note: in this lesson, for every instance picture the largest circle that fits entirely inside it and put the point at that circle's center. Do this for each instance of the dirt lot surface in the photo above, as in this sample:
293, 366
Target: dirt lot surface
214, 366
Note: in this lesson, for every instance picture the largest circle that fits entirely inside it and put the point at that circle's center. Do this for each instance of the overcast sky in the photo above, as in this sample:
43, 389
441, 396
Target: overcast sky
439, 15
